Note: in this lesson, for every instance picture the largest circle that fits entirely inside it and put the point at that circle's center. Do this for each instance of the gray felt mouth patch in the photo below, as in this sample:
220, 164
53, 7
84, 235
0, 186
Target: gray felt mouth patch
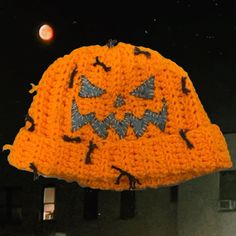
139, 125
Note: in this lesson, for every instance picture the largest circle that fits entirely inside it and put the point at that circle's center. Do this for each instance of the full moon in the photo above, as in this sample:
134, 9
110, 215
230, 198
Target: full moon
46, 32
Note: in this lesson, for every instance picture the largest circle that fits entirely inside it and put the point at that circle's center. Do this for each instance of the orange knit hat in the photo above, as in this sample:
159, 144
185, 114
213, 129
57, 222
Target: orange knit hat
118, 117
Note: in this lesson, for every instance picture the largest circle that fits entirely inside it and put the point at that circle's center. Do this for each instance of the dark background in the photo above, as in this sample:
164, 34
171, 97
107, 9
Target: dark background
200, 36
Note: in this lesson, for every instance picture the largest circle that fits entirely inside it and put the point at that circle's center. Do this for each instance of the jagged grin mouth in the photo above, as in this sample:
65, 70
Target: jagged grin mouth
139, 125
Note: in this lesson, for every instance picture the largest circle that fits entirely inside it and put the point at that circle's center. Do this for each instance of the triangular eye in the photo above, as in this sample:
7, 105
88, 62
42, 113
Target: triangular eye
145, 90
89, 90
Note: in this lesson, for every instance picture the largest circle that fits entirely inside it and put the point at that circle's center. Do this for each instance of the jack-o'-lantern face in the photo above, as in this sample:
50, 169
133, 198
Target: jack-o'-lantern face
118, 118
145, 91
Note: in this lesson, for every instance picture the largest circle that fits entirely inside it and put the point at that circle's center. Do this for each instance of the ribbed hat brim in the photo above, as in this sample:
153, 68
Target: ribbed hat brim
163, 161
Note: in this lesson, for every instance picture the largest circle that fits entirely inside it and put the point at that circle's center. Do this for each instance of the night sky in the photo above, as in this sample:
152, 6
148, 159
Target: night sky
200, 36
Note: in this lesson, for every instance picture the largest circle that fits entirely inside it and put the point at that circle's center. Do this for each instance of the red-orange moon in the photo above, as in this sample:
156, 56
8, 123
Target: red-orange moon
46, 32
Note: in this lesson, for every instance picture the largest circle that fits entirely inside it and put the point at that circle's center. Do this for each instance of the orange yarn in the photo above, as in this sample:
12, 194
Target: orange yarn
187, 145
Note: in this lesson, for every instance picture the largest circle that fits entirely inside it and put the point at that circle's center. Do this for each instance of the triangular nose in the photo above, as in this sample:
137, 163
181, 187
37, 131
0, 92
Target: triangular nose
120, 101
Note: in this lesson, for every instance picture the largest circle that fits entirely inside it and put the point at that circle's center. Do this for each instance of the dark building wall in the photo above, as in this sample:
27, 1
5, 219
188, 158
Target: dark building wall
155, 213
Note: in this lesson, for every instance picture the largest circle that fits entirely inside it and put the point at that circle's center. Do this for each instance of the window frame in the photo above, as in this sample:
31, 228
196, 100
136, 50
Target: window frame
90, 204
42, 220
10, 192
127, 204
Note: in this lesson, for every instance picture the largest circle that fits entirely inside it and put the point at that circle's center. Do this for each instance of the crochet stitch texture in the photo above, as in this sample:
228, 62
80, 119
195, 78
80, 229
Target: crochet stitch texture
120, 117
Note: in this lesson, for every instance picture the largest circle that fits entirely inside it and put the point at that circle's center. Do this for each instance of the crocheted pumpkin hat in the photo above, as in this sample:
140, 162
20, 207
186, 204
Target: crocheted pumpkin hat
118, 117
